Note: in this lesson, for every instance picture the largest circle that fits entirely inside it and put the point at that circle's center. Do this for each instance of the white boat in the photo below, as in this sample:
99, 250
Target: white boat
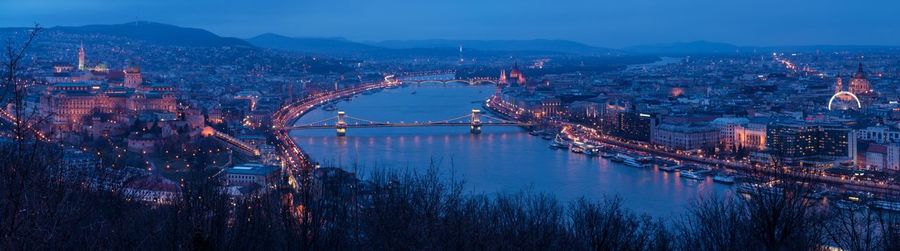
576, 149
690, 174
723, 178
616, 158
670, 168
886, 205
557, 145
628, 160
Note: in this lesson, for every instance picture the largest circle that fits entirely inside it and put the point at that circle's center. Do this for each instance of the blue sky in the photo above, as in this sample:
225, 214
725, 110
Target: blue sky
596, 22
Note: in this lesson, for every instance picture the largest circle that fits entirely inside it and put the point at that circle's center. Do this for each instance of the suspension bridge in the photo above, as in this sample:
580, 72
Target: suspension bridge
342, 122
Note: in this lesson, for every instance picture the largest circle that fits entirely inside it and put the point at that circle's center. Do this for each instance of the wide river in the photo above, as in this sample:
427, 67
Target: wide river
501, 159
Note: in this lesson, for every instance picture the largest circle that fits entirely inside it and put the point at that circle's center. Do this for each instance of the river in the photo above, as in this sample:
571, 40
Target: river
501, 159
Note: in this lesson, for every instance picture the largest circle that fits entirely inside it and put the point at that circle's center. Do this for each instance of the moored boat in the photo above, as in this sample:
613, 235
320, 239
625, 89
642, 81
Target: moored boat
577, 149
691, 174
607, 155
723, 178
669, 168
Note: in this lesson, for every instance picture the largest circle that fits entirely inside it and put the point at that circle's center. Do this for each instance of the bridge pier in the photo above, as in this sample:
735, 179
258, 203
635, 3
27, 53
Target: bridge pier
341, 125
475, 128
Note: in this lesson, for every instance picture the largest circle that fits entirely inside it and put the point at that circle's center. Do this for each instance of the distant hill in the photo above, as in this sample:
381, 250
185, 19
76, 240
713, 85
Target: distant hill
313, 45
707, 47
547, 45
695, 47
157, 33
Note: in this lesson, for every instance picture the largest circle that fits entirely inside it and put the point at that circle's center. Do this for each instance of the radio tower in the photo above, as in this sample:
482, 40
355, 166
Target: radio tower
461, 60
81, 57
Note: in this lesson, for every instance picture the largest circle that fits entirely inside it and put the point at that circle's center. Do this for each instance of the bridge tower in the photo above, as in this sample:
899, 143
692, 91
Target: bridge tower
476, 122
341, 124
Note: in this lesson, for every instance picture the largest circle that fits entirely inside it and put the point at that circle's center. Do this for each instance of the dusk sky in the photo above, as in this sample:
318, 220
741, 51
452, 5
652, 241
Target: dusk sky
597, 22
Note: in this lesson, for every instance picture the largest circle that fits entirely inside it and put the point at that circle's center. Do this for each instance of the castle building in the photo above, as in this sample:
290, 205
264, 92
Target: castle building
76, 105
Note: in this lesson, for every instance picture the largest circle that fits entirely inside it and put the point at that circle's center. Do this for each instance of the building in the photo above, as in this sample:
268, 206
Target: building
876, 148
751, 136
859, 85
626, 123
253, 175
151, 189
794, 142
727, 127
686, 136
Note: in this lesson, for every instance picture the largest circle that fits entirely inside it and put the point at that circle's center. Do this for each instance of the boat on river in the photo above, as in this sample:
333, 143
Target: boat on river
576, 149
559, 143
669, 168
607, 155
724, 178
628, 160
691, 174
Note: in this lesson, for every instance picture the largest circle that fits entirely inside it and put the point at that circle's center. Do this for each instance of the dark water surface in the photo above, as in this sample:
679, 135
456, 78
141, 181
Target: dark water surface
501, 159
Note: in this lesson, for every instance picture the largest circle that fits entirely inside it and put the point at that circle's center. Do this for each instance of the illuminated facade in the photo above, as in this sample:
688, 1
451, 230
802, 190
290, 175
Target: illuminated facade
859, 85
798, 141
751, 137
686, 136
133, 77
839, 85
516, 75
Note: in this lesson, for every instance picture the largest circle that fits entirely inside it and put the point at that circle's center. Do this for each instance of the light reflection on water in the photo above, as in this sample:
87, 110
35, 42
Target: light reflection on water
501, 159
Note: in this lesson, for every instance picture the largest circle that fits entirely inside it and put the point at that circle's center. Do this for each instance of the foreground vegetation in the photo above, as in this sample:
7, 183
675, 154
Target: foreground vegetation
402, 211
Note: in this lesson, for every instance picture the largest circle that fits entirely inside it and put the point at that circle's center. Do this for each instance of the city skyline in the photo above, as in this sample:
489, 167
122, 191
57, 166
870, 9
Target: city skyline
603, 24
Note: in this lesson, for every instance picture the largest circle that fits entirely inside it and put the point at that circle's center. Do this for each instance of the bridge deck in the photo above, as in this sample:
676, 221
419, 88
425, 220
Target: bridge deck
378, 125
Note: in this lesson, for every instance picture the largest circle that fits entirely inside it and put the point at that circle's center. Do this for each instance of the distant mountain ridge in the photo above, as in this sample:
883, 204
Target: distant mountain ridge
707, 47
171, 35
549, 45
695, 47
314, 45
157, 33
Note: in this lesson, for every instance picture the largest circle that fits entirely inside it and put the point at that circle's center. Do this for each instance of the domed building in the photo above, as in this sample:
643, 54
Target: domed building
859, 85
516, 75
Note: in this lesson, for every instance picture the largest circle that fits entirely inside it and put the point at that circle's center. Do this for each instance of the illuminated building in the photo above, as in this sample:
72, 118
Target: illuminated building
727, 127
876, 148
685, 136
752, 136
839, 85
133, 77
503, 80
620, 121
516, 76
859, 85
794, 142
